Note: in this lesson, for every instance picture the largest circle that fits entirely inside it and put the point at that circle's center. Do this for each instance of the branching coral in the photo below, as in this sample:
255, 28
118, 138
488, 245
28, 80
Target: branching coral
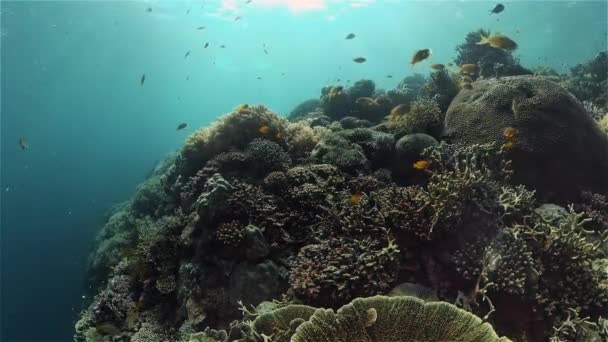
267, 156
441, 87
336, 271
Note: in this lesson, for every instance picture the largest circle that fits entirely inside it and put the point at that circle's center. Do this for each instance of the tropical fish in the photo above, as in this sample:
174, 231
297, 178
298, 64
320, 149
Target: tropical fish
469, 68
259, 78
149, 9
389, 76
359, 59
508, 145
437, 66
422, 165
206, 45
222, 46
23, 144
365, 101
181, 126
201, 28
350, 36
279, 136
498, 41
497, 9
142, 80
266, 52
187, 54
264, 129
356, 198
247, 2
450, 64
420, 55
238, 17
509, 132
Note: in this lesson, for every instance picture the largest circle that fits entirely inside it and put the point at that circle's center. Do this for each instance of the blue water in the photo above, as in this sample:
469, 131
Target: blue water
70, 85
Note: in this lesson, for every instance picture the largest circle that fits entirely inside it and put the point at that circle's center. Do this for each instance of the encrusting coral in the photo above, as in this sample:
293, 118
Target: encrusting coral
369, 193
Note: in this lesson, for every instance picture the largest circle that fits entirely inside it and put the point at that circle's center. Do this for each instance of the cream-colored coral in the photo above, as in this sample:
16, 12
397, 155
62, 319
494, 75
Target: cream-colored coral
604, 123
301, 138
231, 131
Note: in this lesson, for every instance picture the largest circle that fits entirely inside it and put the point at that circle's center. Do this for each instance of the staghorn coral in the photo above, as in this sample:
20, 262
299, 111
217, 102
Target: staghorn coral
553, 133
232, 131
335, 271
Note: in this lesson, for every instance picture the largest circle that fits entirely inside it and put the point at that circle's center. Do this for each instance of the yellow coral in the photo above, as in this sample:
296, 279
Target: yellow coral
604, 123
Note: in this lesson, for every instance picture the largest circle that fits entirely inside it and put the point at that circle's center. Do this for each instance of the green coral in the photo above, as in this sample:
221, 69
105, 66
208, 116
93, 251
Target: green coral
389, 319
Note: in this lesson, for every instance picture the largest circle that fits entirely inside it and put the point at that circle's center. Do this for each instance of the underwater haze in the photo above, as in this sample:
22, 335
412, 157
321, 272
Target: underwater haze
93, 92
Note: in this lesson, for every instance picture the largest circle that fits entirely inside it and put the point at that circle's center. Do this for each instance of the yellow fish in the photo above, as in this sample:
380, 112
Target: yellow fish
356, 198
437, 66
508, 145
365, 101
264, 129
422, 165
509, 132
498, 41
468, 68
420, 55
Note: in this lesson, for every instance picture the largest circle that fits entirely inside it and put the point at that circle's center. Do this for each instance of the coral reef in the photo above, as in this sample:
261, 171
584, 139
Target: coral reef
261, 227
303, 108
589, 81
423, 116
492, 62
553, 133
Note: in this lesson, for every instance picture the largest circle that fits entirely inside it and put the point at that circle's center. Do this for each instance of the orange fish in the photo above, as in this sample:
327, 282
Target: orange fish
264, 129
468, 68
422, 165
356, 198
509, 132
420, 55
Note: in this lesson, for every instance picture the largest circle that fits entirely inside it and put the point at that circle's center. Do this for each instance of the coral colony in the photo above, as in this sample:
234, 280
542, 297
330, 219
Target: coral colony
454, 207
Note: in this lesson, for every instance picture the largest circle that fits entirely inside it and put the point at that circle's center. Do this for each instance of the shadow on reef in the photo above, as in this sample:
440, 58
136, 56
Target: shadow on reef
490, 196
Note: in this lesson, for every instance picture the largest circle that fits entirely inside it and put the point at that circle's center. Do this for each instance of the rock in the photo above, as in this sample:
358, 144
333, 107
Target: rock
257, 247
255, 283
559, 150
216, 190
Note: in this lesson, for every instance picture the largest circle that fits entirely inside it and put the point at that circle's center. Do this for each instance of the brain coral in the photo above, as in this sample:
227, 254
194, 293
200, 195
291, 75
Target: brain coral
554, 136
232, 131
